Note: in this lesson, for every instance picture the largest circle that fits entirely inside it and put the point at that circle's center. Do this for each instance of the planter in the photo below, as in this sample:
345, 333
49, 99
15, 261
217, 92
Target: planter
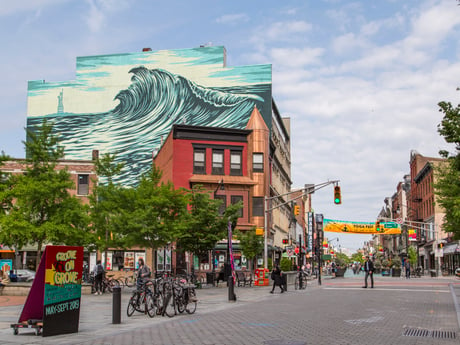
340, 272
377, 270
385, 273
396, 272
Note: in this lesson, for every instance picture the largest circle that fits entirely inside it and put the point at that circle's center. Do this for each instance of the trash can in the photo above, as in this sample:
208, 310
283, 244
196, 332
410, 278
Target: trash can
433, 273
210, 278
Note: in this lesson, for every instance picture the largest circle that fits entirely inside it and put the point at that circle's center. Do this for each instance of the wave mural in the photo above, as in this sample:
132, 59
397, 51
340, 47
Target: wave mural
154, 101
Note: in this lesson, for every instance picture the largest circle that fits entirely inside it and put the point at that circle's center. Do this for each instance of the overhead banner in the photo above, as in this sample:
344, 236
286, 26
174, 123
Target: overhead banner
344, 226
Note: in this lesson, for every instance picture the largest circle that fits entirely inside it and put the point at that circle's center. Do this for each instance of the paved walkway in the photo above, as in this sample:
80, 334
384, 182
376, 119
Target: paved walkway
96, 312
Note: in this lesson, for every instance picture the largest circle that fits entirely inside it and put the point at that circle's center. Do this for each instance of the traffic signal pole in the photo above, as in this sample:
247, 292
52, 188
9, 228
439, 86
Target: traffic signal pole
305, 191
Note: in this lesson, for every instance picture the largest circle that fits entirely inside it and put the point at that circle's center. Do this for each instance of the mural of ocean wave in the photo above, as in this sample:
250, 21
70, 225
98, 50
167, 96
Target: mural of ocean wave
155, 100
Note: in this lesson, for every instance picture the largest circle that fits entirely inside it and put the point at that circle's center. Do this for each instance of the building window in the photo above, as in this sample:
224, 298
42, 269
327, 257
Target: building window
236, 199
258, 162
83, 185
223, 205
199, 161
218, 162
258, 206
235, 163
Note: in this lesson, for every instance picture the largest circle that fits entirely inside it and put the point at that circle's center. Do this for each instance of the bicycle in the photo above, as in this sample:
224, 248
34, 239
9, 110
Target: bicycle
300, 281
179, 298
142, 301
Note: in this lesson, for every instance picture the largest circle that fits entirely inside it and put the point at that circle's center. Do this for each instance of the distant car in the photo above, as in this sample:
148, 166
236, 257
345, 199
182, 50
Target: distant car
25, 275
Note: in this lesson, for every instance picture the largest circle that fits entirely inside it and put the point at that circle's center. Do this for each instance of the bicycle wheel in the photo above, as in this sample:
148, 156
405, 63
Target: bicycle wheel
296, 283
131, 305
150, 305
192, 301
130, 281
170, 305
158, 298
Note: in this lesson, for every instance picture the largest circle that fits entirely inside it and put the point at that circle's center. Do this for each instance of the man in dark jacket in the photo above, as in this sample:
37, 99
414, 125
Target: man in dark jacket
369, 269
276, 277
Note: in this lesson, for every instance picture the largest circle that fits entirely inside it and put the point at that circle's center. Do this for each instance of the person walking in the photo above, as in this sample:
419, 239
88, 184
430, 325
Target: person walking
369, 271
98, 272
277, 278
407, 267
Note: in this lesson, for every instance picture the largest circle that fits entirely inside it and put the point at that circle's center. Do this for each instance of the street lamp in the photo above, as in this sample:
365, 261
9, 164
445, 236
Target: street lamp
229, 261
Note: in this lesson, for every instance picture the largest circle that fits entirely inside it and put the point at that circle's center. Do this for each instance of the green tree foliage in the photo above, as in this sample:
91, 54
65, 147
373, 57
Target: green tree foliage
357, 257
342, 260
43, 210
447, 185
105, 203
412, 254
251, 245
153, 214
203, 226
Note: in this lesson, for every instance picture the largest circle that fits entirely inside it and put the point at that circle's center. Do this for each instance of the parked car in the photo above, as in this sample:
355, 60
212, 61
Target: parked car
24, 275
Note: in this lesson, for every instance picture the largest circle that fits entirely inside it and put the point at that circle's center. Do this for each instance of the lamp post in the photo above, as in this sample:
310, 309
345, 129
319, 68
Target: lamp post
229, 261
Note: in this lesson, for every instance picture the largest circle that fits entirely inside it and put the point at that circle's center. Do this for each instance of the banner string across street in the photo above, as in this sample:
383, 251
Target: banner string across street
349, 227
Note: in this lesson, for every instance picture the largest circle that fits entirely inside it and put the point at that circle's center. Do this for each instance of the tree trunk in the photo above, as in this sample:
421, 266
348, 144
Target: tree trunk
39, 254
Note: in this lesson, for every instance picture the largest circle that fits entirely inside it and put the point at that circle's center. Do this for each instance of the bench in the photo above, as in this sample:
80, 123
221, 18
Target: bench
243, 279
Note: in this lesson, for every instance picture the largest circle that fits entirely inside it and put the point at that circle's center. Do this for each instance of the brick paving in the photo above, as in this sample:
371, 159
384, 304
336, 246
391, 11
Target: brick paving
337, 312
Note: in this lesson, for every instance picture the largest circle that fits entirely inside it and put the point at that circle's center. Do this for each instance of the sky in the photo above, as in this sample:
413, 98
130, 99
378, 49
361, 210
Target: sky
359, 80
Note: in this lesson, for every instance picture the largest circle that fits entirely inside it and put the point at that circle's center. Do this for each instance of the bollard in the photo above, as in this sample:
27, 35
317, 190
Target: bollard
116, 305
231, 291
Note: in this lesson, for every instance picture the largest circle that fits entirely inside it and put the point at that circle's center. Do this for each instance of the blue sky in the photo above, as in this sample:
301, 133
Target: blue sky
360, 80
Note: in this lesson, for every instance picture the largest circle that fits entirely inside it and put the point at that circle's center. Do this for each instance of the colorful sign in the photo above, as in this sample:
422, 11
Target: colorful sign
412, 234
55, 294
386, 228
6, 265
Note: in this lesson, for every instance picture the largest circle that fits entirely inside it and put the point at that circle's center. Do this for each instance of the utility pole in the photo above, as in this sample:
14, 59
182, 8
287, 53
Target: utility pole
319, 236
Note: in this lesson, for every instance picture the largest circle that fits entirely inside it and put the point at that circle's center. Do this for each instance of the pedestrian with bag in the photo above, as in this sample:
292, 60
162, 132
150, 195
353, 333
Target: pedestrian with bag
369, 271
277, 278
98, 272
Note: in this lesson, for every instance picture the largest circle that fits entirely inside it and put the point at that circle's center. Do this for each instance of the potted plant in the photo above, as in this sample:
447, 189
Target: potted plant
396, 268
342, 262
377, 266
385, 267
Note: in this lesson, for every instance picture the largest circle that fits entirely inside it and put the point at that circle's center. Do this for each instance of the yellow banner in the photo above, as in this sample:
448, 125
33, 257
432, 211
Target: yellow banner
386, 228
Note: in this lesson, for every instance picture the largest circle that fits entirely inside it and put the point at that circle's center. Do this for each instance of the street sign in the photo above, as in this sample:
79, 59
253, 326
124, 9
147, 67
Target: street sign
399, 220
391, 225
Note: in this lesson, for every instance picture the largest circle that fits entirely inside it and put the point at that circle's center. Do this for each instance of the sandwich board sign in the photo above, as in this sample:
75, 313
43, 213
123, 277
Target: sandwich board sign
53, 303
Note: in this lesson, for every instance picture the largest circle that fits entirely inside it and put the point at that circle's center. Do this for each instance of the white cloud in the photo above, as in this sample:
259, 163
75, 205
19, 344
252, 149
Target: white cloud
232, 18
9, 7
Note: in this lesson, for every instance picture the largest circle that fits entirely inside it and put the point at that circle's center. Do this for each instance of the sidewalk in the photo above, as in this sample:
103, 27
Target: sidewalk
96, 311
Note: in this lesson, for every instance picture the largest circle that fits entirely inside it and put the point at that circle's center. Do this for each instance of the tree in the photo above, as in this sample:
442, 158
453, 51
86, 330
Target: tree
105, 203
447, 183
204, 226
251, 245
39, 208
152, 214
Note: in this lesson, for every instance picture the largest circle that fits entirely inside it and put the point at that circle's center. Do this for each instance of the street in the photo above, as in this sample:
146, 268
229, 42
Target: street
396, 311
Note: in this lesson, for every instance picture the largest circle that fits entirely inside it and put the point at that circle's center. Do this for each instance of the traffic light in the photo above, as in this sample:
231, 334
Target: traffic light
337, 195
296, 210
378, 226
285, 241
259, 231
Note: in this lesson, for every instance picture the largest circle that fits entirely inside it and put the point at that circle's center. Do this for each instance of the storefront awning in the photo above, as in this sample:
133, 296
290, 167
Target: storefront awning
451, 249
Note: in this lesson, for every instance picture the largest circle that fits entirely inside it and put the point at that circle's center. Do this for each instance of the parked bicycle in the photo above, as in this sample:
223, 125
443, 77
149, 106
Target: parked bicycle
300, 280
142, 301
179, 297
